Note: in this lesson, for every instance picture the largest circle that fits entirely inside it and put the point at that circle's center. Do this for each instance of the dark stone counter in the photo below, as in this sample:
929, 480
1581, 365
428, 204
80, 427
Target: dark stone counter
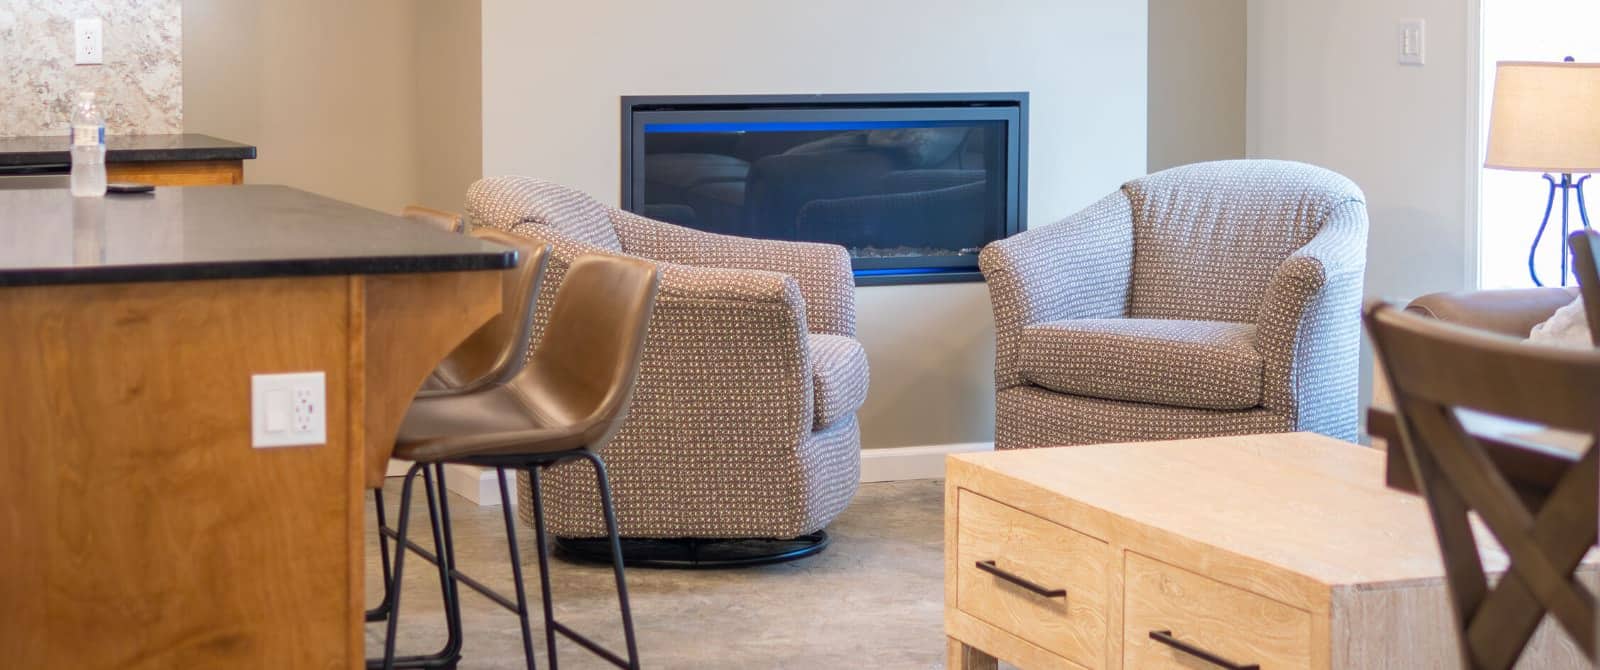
175, 234
17, 153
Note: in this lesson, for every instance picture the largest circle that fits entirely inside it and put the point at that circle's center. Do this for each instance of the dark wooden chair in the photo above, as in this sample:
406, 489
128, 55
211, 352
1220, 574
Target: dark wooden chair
1437, 368
1585, 245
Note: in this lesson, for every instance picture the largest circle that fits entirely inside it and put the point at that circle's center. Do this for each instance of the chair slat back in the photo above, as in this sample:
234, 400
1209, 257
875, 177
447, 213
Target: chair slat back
1585, 246
1435, 368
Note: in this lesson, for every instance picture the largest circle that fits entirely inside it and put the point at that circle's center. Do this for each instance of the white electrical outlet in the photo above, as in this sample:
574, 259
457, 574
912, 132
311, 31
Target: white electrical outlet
1413, 42
87, 36
288, 410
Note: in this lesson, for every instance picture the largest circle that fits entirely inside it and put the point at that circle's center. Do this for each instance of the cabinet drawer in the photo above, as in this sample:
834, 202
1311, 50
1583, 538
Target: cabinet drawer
1208, 617
1040, 581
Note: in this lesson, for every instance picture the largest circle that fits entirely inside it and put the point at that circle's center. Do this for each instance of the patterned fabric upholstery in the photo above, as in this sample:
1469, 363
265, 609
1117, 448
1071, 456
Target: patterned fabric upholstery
839, 374
722, 438
821, 270
1202, 364
1209, 236
1275, 247
1031, 416
563, 211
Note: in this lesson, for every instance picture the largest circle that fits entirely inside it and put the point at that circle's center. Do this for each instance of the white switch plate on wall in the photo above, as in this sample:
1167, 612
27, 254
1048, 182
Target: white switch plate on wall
90, 47
288, 410
1413, 41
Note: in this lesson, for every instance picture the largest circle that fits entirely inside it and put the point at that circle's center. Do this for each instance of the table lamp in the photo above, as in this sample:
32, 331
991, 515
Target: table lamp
1546, 118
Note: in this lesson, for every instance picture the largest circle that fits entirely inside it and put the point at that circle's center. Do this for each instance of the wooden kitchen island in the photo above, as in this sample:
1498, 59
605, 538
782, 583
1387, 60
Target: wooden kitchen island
139, 528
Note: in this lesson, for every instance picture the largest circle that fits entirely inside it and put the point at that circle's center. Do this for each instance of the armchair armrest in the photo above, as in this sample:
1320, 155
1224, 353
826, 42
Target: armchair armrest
723, 343
821, 271
717, 336
1078, 268
1309, 326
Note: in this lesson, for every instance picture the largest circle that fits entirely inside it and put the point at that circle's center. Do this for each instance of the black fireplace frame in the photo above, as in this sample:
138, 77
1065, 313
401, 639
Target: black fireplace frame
1011, 107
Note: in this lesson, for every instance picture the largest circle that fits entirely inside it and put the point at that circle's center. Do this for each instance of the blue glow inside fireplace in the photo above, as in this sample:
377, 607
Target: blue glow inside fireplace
913, 185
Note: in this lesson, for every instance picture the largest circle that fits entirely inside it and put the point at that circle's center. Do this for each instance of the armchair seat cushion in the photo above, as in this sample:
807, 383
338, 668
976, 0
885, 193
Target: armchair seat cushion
1198, 364
839, 378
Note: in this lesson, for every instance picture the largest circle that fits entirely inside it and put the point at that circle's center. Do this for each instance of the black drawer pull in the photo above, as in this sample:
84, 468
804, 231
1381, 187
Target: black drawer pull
1165, 637
991, 568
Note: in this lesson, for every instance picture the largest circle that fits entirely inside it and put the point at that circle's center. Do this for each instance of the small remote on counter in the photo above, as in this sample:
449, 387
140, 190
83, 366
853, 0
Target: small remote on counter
129, 187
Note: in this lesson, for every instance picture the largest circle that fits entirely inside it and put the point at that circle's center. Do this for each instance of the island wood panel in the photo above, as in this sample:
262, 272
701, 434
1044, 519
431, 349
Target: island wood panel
178, 173
411, 322
140, 528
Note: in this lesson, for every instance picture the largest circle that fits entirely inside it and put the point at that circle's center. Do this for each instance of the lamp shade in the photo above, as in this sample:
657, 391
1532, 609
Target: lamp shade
1546, 117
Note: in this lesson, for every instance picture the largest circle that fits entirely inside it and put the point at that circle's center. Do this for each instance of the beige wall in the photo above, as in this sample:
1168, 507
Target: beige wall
449, 131
338, 96
553, 74
1197, 81
1325, 87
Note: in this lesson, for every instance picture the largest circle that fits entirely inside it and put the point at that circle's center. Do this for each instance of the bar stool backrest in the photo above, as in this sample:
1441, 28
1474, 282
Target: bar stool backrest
496, 351
582, 374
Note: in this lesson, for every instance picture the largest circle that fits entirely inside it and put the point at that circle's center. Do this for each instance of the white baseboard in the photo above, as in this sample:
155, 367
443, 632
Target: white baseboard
477, 484
877, 465
904, 463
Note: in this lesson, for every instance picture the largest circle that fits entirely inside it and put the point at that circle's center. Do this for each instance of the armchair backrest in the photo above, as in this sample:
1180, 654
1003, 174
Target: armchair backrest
509, 202
1208, 237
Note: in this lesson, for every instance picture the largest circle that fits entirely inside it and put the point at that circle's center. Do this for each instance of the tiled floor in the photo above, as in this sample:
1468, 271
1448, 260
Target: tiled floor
873, 600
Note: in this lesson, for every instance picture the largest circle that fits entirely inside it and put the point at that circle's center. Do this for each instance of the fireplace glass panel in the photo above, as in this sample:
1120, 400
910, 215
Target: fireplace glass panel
882, 189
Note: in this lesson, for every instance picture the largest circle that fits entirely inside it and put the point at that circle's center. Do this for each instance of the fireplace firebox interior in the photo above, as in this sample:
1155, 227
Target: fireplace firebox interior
912, 185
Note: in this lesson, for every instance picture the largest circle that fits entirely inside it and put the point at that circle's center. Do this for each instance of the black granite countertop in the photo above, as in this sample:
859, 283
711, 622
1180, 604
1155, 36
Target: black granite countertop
52, 150
217, 232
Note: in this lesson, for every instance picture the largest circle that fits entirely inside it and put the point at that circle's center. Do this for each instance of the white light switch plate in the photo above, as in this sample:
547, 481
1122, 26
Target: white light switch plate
288, 410
1413, 36
90, 45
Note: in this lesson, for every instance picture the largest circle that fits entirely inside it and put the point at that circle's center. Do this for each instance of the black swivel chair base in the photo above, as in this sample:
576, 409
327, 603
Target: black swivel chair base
450, 577
693, 553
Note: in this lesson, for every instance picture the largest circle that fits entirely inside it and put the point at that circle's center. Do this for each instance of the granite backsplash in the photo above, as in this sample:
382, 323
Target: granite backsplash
140, 86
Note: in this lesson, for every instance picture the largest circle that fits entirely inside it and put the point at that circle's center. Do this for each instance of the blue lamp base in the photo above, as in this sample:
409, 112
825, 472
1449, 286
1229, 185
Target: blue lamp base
1568, 187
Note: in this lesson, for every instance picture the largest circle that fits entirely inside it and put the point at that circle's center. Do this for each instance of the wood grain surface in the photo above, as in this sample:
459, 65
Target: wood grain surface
178, 173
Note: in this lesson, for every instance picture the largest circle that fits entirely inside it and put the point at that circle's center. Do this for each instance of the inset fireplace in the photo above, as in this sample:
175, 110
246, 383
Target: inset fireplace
913, 185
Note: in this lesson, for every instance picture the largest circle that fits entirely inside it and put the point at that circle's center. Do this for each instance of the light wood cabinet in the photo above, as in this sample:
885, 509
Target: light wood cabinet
1272, 551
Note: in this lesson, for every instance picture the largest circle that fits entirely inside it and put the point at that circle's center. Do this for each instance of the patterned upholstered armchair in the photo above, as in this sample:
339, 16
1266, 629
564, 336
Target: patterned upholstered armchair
743, 421
1209, 299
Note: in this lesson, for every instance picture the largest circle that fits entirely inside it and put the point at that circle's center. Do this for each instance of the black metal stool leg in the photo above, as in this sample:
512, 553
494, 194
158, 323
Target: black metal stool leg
445, 559
542, 540
399, 566
381, 611
616, 555
516, 570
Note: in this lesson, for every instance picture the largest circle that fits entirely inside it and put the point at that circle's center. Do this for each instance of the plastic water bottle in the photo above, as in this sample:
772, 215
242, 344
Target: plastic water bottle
88, 148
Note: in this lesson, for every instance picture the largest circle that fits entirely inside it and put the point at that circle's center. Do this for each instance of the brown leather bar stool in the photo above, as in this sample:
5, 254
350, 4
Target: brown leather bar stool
492, 355
564, 406
449, 222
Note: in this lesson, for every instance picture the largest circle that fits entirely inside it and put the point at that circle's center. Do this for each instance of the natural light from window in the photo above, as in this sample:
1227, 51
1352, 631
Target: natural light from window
1513, 202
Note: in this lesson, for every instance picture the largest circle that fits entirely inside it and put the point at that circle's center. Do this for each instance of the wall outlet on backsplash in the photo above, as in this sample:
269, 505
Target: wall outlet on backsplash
90, 42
